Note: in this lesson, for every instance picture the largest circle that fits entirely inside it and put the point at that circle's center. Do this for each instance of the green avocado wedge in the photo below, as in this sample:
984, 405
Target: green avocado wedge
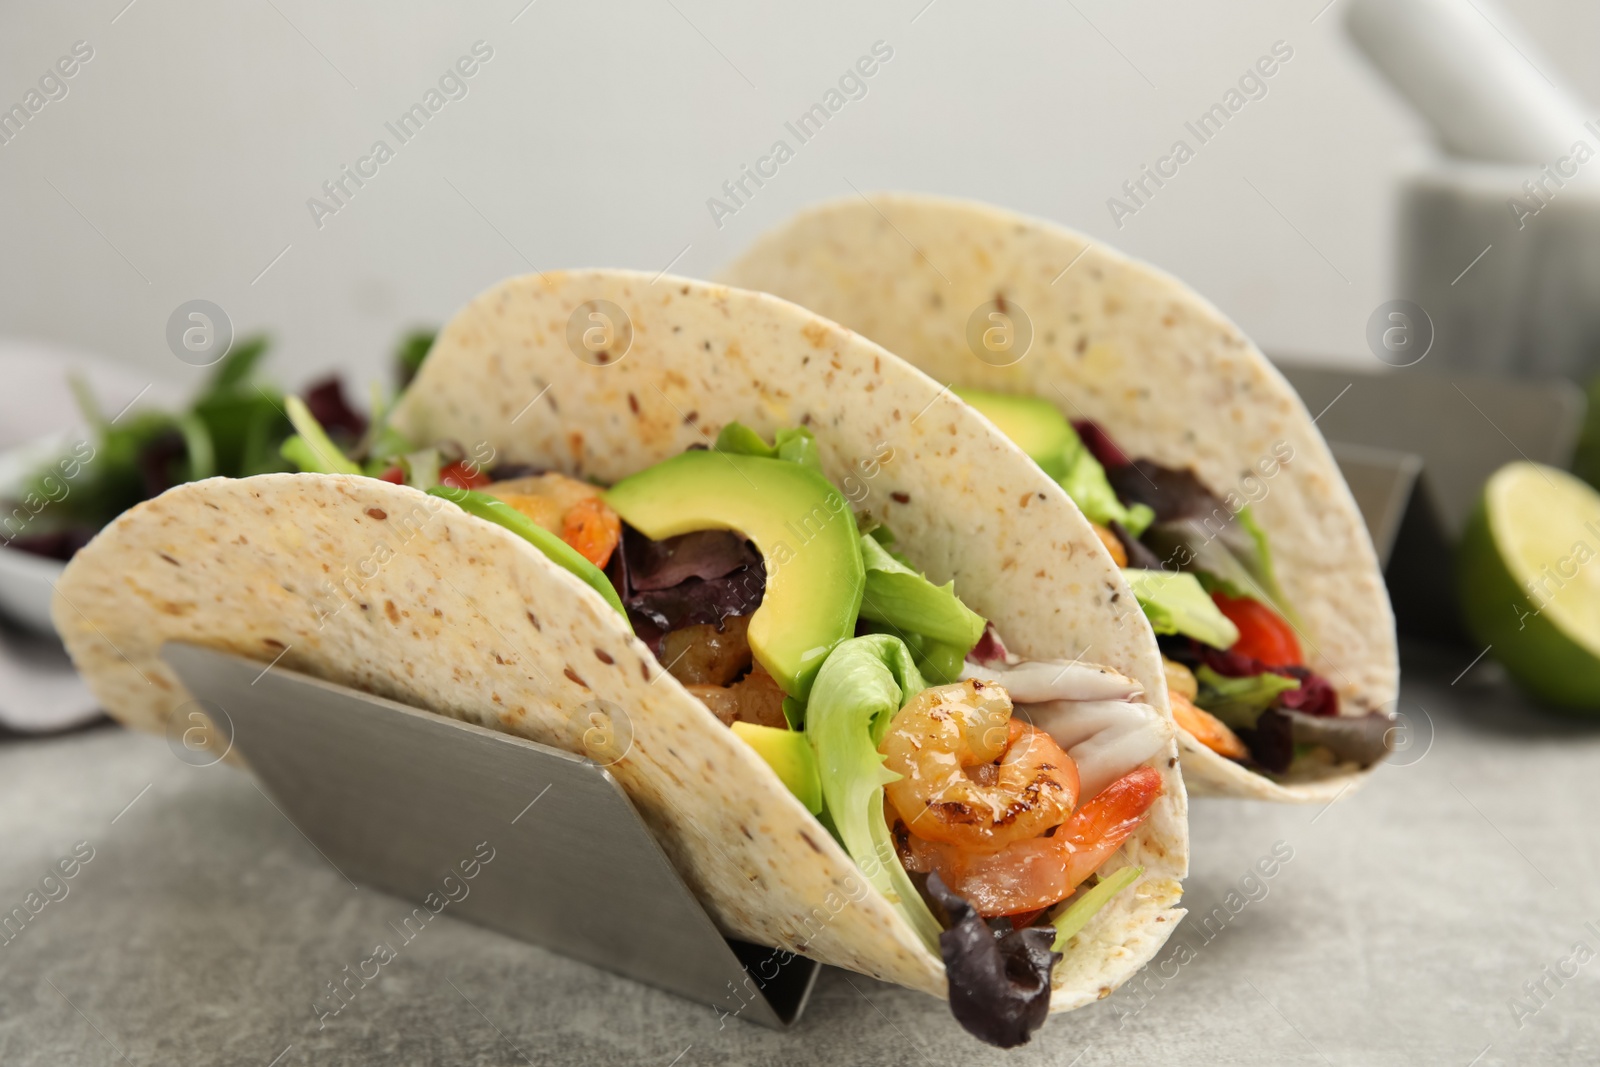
802, 526
1034, 425
1529, 581
1037, 427
789, 754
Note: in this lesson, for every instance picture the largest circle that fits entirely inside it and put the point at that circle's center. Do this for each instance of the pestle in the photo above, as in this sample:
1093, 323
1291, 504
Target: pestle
1481, 94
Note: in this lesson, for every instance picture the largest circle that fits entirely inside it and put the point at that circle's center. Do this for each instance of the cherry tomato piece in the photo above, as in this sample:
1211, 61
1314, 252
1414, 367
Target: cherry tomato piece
460, 475
1263, 633
397, 475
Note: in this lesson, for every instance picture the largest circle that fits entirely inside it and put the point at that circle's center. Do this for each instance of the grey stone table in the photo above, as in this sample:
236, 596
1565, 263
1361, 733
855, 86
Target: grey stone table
1445, 914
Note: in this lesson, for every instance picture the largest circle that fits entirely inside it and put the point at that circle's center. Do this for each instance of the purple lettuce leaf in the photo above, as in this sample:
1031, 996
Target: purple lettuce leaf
999, 978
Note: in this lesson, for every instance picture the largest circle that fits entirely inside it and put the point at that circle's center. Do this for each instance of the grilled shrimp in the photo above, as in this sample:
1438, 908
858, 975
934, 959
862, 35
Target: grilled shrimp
1205, 727
593, 529
566, 507
970, 775
1119, 555
754, 698
1031, 874
707, 654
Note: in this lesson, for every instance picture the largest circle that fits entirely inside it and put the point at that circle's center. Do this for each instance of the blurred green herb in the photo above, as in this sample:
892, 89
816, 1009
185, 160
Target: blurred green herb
414, 348
237, 425
232, 428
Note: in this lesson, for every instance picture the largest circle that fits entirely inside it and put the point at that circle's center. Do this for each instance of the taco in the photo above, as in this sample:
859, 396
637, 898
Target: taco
1200, 467
849, 640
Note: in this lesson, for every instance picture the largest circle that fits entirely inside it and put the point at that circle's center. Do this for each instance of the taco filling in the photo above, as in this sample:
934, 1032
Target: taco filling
978, 792
1202, 573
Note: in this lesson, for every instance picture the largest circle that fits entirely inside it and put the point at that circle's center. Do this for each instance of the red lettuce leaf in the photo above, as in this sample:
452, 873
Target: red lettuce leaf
1314, 697
704, 554
326, 401
696, 579
1100, 444
990, 649
1172, 494
1139, 555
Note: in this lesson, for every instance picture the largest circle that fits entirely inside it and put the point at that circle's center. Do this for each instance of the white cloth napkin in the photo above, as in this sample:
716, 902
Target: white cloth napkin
39, 690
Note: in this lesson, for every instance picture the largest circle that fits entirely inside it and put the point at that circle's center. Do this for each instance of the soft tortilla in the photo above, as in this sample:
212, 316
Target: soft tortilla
422, 603
1119, 342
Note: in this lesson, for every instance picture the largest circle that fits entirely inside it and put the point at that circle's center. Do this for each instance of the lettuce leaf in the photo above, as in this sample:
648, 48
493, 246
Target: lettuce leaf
414, 348
1176, 603
1236, 563
1239, 702
999, 977
558, 551
796, 445
939, 664
901, 598
861, 685
1086, 483
1246, 570
311, 449
1199, 532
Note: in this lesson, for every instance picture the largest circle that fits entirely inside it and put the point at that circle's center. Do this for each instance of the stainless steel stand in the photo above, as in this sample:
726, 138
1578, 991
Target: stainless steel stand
1416, 449
402, 799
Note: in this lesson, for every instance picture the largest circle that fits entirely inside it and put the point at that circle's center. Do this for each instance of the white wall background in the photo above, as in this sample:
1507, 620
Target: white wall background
190, 143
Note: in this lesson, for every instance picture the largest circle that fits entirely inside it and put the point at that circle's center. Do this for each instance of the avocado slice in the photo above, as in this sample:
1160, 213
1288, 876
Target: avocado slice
1034, 424
801, 525
791, 758
1036, 427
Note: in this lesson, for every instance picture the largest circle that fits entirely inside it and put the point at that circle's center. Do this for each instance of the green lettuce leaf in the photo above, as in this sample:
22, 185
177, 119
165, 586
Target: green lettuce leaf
1253, 576
1086, 483
235, 370
861, 685
901, 598
422, 468
1239, 702
1233, 557
414, 348
797, 445
558, 551
198, 446
232, 428
1176, 603
939, 664
311, 449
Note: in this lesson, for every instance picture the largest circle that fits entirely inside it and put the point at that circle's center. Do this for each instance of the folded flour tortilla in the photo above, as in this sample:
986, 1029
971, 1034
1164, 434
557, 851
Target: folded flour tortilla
401, 594
1157, 366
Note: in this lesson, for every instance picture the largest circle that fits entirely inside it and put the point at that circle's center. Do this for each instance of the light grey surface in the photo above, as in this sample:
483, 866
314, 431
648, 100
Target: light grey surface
1408, 918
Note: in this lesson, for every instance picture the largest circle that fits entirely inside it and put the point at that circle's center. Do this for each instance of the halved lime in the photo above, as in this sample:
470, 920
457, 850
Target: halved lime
1529, 580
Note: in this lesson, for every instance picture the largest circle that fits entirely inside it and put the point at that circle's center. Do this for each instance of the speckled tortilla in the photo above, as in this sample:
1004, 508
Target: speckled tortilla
1137, 351
386, 589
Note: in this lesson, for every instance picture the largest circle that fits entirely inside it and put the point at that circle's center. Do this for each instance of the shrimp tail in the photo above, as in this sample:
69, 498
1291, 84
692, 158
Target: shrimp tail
1099, 828
1030, 875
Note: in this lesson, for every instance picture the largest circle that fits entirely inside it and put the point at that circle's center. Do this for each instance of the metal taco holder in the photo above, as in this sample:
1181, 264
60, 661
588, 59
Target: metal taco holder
395, 798
1428, 442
